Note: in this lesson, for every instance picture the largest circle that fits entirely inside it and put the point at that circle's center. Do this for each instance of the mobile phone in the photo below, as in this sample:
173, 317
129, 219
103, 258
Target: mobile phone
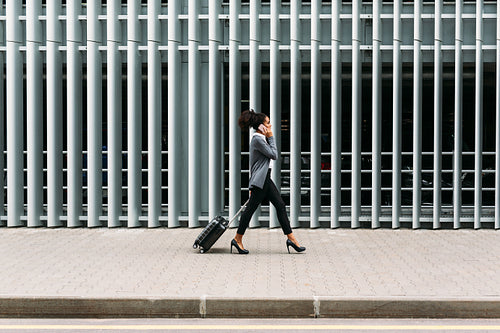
262, 128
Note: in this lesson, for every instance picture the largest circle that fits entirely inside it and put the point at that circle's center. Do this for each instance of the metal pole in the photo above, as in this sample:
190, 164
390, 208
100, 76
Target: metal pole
222, 192
478, 153
417, 114
54, 116
457, 150
74, 113
295, 112
255, 76
221, 117
356, 115
15, 191
396, 116
438, 123
315, 114
2, 130
377, 114
174, 64
194, 106
336, 116
214, 92
234, 107
275, 97
34, 112
497, 127
174, 70
154, 114
134, 114
114, 158
94, 114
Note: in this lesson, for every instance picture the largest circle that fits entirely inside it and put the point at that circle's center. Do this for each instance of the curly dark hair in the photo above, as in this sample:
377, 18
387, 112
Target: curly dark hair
250, 118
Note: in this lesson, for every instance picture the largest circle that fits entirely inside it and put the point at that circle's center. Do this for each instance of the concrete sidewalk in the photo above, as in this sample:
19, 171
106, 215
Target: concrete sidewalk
156, 273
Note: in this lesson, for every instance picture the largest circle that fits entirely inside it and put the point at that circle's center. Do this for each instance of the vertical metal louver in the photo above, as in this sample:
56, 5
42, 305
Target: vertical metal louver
119, 114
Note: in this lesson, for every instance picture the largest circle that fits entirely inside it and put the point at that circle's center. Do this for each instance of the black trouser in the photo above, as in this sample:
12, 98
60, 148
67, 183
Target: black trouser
258, 195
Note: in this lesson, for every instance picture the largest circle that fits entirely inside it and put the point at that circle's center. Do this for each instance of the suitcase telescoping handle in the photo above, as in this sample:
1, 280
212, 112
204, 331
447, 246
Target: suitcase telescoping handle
238, 213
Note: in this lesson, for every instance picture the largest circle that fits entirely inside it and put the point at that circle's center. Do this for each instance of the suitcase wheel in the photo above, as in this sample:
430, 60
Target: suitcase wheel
195, 246
202, 251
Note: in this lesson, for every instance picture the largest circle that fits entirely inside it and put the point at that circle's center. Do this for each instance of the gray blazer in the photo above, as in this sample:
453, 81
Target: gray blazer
261, 152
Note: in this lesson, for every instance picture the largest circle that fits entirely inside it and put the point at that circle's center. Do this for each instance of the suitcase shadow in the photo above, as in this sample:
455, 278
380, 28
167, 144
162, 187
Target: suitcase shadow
220, 250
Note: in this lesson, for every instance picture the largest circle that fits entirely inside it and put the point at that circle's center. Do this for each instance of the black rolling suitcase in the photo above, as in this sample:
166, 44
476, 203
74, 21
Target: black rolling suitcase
213, 231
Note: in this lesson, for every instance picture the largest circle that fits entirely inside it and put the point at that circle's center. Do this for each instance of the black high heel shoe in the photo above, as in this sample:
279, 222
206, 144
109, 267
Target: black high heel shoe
240, 251
295, 247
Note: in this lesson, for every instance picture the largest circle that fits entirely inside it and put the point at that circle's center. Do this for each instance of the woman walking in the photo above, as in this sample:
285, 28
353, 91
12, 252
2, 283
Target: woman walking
262, 151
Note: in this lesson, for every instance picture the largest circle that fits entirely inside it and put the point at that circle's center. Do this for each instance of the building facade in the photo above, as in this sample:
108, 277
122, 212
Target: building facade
124, 113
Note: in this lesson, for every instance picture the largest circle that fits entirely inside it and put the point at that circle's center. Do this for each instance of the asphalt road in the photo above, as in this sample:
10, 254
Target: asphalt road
248, 325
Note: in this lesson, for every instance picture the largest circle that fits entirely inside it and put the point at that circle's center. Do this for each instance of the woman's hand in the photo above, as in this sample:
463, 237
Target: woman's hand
269, 131
263, 129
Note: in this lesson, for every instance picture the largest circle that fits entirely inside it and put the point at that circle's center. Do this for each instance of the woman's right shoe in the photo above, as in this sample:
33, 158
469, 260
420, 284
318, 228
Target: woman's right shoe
295, 247
240, 250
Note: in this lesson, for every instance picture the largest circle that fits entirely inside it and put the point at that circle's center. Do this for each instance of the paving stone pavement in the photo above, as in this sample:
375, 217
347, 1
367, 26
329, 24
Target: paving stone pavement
121, 263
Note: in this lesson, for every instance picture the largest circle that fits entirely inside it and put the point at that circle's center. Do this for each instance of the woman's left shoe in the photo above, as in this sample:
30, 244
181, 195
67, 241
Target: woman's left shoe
295, 247
240, 250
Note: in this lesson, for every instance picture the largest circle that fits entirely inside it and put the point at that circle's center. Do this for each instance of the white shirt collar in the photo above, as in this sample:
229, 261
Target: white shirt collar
262, 135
